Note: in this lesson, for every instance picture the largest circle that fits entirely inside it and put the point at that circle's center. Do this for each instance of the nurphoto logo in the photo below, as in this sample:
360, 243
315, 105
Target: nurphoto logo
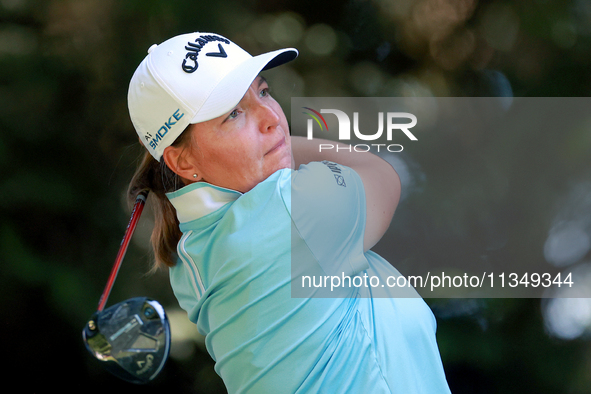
393, 125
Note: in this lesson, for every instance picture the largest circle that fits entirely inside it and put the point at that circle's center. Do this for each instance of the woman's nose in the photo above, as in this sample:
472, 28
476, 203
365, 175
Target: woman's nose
268, 117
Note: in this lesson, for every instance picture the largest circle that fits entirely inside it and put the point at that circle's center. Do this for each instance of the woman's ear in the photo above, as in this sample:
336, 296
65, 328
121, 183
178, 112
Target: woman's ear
180, 165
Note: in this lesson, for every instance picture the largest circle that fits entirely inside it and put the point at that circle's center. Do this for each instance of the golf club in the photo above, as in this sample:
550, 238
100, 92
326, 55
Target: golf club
132, 338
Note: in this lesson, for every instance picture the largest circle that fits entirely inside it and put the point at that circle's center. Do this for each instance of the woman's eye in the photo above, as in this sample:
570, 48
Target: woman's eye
233, 114
264, 92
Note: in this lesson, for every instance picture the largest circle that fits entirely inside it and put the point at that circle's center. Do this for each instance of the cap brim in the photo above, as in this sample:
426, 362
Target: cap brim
228, 93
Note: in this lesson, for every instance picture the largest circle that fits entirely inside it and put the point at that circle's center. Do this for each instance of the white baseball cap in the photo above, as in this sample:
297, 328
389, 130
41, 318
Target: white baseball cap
189, 79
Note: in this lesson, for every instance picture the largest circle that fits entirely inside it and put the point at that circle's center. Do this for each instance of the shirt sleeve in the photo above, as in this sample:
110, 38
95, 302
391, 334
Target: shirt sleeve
328, 211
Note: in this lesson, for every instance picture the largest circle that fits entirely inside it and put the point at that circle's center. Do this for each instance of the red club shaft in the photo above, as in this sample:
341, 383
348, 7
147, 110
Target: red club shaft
138, 207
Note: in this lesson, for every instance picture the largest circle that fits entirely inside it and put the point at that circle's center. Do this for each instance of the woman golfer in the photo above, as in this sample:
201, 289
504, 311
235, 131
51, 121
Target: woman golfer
242, 209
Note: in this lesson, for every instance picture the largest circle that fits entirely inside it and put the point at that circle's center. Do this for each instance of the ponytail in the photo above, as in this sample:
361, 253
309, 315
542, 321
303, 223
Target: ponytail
159, 179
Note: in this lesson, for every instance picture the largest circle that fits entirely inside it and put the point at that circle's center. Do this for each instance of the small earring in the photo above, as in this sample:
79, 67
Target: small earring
195, 176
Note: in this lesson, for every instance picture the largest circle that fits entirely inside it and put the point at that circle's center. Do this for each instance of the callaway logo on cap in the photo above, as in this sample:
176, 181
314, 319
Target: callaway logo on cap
189, 79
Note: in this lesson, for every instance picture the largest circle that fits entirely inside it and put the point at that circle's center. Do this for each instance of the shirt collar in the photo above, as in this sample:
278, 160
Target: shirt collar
199, 199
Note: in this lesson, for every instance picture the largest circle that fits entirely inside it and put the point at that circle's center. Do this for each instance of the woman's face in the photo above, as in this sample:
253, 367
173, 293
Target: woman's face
242, 148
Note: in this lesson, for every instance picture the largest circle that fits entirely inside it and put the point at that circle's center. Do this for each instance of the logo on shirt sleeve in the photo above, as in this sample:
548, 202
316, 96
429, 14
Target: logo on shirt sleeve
340, 180
334, 167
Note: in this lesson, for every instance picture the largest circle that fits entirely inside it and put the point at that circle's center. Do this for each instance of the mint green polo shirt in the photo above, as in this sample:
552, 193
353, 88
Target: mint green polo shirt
234, 274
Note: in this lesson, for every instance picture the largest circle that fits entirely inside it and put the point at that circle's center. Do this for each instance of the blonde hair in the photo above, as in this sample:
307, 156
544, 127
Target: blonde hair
157, 178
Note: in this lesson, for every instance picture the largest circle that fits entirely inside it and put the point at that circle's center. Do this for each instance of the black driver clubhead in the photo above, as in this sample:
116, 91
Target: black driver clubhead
132, 338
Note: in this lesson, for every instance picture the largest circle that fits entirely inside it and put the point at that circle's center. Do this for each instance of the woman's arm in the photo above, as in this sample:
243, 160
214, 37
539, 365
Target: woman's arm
381, 182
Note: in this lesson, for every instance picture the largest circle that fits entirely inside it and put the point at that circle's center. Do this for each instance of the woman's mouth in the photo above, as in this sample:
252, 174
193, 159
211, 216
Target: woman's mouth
277, 146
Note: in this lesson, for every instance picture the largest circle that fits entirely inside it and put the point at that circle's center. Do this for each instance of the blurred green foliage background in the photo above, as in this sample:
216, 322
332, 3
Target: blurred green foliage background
68, 149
